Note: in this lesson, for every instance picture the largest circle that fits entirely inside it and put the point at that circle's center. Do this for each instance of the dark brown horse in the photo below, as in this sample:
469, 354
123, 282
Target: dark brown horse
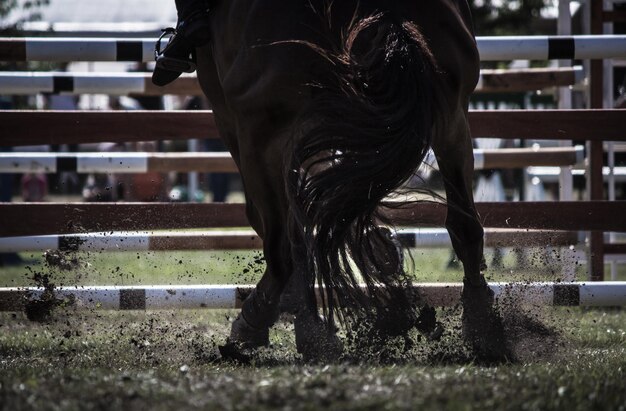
327, 108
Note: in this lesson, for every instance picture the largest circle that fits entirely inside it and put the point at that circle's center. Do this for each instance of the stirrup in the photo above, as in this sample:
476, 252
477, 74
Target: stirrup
172, 63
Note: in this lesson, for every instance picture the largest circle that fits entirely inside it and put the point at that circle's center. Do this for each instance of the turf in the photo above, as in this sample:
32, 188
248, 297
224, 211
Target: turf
246, 267
169, 360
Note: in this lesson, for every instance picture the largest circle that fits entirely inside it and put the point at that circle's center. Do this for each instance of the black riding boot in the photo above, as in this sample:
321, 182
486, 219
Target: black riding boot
178, 56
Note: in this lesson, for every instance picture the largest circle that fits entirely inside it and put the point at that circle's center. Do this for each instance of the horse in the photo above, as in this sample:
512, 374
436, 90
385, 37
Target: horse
327, 108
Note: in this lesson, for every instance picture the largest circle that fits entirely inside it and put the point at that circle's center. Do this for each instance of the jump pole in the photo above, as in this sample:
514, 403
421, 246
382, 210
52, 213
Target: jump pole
142, 162
118, 162
158, 297
490, 48
551, 174
140, 84
122, 84
247, 240
551, 47
136, 241
531, 79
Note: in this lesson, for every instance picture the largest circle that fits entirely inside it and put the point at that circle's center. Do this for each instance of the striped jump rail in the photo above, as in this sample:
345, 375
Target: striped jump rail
142, 162
551, 174
490, 48
34, 127
247, 239
112, 162
160, 297
531, 79
133, 84
140, 84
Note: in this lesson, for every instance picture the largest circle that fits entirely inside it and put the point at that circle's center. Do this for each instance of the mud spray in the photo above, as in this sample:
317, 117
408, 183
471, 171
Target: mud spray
529, 337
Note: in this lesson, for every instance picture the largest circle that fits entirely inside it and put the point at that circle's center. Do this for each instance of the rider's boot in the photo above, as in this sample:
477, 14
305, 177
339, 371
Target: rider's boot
178, 56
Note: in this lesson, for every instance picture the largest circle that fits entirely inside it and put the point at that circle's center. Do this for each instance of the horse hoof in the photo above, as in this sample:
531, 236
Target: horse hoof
247, 336
235, 352
436, 333
486, 338
243, 341
315, 342
326, 348
427, 321
482, 326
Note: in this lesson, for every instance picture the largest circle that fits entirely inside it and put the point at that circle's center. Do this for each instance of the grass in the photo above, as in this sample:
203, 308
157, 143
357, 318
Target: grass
128, 268
169, 359
246, 267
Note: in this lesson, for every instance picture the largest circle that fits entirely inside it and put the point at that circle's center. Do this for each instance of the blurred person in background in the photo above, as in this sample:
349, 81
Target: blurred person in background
217, 183
7, 181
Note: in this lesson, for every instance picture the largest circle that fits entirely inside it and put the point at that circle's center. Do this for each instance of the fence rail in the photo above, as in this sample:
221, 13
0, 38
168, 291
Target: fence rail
31, 127
65, 218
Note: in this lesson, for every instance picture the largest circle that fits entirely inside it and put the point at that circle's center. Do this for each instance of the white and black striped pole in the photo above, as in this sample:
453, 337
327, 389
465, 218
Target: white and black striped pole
156, 297
551, 47
116, 162
490, 48
247, 239
142, 162
76, 83
135, 241
29, 83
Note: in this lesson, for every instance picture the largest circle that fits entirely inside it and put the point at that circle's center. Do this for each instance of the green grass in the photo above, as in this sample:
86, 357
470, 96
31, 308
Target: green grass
169, 360
127, 268
246, 267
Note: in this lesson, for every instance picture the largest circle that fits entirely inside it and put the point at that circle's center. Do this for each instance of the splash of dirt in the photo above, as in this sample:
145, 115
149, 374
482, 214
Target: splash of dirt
62, 260
528, 336
40, 309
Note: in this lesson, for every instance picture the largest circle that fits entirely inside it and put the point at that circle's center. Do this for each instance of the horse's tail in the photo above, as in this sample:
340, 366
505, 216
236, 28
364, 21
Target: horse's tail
366, 132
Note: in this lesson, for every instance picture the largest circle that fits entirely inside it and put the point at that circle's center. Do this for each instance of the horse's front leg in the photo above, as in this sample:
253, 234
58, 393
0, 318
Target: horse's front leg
482, 325
266, 211
260, 309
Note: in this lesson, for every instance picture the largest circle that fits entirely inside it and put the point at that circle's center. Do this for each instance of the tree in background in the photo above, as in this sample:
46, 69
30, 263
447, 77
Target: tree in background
493, 17
13, 14
504, 17
29, 12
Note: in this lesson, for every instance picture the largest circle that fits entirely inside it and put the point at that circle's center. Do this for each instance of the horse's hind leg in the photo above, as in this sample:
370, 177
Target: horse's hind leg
482, 326
267, 210
314, 340
456, 164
